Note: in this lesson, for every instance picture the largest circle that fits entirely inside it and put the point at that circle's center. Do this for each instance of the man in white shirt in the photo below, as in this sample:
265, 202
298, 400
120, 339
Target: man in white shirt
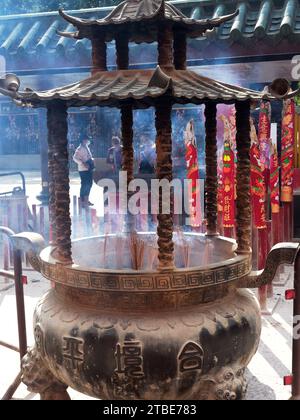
84, 159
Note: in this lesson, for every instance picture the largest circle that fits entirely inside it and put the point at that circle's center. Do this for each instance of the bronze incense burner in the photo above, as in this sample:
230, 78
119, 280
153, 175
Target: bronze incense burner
177, 328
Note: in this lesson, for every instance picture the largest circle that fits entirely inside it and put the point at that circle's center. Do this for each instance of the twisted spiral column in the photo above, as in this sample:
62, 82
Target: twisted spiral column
165, 46
164, 170
122, 49
128, 157
51, 136
99, 54
211, 168
60, 191
180, 50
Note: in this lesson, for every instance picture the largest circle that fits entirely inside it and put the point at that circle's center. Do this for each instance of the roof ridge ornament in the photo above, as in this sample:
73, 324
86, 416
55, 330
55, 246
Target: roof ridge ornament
9, 85
72, 35
281, 89
160, 79
67, 17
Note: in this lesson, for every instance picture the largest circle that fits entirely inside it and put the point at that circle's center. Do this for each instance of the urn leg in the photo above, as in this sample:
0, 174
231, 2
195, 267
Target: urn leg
40, 380
228, 383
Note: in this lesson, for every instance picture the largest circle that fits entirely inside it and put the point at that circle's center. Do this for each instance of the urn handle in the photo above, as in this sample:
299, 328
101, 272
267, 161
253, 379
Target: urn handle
32, 244
282, 253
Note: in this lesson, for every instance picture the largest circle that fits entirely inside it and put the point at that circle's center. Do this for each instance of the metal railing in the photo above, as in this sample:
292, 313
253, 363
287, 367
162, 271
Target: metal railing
17, 276
12, 174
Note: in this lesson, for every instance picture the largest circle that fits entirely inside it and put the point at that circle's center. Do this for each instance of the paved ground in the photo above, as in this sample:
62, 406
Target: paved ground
33, 188
265, 373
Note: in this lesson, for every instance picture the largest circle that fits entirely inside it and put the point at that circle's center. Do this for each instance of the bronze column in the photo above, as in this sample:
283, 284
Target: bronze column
180, 50
51, 141
122, 49
211, 168
127, 137
128, 156
60, 183
243, 144
44, 194
99, 58
165, 46
164, 170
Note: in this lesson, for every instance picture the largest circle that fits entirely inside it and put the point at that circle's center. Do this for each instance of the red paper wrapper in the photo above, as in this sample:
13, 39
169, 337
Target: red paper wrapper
264, 139
258, 189
193, 175
287, 151
229, 187
274, 180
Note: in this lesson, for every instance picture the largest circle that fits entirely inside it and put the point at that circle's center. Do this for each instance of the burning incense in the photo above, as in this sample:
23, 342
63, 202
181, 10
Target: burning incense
119, 252
184, 246
208, 253
152, 254
137, 251
104, 251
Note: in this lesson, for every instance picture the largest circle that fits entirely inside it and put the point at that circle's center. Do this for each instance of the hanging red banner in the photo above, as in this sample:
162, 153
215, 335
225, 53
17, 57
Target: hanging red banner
274, 180
193, 175
220, 184
258, 189
264, 139
287, 151
229, 186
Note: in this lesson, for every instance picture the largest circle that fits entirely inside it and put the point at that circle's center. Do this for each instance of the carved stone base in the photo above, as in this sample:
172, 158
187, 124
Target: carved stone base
40, 380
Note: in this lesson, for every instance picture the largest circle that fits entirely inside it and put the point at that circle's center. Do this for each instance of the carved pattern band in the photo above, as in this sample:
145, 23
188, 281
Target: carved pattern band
163, 301
148, 281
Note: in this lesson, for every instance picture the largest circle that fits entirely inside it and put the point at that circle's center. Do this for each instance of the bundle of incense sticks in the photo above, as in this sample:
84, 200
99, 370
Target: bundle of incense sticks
208, 253
152, 253
184, 247
105, 243
119, 247
137, 250
186, 253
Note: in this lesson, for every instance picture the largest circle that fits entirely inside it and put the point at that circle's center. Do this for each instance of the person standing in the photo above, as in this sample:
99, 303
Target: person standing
114, 156
84, 159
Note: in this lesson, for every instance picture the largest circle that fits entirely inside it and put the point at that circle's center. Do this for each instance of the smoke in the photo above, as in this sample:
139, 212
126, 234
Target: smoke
119, 252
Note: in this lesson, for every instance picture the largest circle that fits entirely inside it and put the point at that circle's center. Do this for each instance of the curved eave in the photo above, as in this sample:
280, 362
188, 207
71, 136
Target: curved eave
142, 89
193, 27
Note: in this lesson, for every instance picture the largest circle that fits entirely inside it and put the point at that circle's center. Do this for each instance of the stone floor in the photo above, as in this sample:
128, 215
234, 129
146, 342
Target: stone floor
33, 188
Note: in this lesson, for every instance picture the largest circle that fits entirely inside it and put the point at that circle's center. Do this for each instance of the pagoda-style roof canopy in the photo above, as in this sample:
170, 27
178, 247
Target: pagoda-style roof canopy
140, 20
141, 88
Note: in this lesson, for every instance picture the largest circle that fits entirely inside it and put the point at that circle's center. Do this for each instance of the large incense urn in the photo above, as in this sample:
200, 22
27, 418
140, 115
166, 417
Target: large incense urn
185, 334
165, 323
182, 334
